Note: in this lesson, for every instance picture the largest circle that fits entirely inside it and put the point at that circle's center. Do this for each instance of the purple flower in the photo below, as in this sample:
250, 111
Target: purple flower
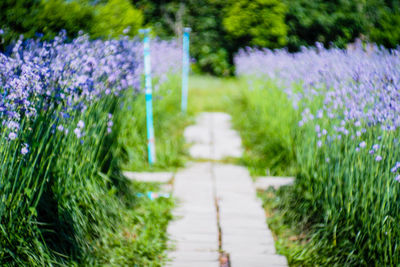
362, 144
375, 147
25, 149
12, 136
378, 158
13, 125
397, 178
81, 124
371, 152
60, 128
319, 143
77, 132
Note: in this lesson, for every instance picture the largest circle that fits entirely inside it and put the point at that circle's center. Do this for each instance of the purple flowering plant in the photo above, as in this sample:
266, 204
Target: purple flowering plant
354, 95
59, 105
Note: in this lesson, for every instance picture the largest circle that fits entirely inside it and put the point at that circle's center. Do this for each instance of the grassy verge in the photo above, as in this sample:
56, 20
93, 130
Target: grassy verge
140, 238
169, 124
290, 240
264, 117
210, 94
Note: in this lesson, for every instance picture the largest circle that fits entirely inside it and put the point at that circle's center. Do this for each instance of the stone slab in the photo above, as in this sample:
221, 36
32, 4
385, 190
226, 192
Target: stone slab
264, 182
242, 260
193, 264
194, 256
160, 177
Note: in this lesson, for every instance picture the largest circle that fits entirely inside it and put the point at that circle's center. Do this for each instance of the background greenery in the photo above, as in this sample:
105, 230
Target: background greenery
220, 27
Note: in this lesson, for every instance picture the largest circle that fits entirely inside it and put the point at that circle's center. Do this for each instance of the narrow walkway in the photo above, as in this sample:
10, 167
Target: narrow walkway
218, 210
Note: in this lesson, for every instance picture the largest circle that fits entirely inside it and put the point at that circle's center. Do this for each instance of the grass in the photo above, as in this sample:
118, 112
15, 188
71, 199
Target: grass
210, 94
140, 238
263, 116
169, 123
290, 240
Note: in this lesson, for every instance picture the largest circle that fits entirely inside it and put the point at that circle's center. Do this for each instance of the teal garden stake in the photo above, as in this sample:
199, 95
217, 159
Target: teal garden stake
151, 149
185, 68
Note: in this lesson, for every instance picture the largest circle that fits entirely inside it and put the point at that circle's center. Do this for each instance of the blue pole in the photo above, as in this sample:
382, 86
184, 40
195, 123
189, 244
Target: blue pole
185, 68
151, 149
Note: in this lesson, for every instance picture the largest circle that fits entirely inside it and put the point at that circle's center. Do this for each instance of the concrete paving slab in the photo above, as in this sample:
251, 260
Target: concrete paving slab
264, 182
195, 246
242, 260
160, 177
193, 264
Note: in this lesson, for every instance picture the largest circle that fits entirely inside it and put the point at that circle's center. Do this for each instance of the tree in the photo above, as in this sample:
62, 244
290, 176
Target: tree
17, 17
115, 18
57, 15
385, 22
336, 21
208, 38
256, 22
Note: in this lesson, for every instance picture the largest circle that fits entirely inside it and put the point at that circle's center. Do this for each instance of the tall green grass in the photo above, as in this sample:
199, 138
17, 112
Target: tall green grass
66, 201
346, 201
265, 118
169, 123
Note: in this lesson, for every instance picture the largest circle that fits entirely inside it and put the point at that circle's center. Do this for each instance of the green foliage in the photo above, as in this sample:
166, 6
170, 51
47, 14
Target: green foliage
169, 123
208, 41
258, 23
17, 17
269, 141
290, 239
386, 29
114, 17
208, 45
338, 22
46, 18
220, 28
211, 94
53, 17
140, 238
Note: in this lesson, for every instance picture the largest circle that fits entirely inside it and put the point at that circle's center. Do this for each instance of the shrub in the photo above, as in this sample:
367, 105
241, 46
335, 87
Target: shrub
115, 18
257, 23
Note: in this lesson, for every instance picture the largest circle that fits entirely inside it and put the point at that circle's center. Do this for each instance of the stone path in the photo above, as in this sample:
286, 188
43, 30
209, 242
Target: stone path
218, 210
150, 177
